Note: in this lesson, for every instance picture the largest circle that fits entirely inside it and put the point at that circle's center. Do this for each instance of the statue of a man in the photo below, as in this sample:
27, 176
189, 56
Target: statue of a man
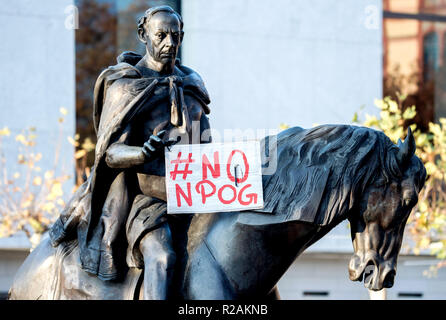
119, 215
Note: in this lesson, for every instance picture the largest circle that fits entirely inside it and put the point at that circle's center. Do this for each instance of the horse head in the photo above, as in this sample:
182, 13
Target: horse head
378, 221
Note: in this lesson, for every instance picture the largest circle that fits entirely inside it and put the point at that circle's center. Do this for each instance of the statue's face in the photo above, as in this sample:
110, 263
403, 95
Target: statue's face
163, 37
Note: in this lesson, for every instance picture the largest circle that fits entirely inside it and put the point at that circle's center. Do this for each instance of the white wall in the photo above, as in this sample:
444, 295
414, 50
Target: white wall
13, 251
318, 272
37, 54
292, 61
10, 262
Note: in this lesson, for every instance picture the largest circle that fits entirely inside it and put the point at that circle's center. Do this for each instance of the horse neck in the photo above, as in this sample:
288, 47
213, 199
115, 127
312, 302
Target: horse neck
254, 256
255, 250
300, 236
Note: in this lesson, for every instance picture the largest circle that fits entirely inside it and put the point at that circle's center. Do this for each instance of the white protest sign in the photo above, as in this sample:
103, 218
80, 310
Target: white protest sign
214, 177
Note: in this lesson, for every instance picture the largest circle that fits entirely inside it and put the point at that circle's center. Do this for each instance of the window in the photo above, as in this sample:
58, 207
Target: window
414, 34
410, 295
316, 293
430, 56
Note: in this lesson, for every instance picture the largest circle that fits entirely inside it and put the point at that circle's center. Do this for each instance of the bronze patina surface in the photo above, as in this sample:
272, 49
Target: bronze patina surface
114, 240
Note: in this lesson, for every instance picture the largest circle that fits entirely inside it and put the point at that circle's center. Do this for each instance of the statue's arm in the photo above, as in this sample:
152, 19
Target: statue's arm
120, 155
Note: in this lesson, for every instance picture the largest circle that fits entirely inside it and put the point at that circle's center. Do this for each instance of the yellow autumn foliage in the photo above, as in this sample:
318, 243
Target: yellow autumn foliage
30, 200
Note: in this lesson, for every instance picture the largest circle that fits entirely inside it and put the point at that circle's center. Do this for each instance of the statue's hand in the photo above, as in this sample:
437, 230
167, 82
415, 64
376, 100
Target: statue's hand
155, 145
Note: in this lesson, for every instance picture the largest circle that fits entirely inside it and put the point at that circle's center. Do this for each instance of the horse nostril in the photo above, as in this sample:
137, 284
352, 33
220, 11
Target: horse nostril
389, 279
360, 277
368, 272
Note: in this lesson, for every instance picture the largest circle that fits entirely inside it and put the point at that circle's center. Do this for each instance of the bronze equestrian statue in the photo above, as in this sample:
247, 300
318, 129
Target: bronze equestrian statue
115, 240
324, 175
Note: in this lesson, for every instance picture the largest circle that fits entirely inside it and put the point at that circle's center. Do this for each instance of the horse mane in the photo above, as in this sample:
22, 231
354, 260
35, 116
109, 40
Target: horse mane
322, 171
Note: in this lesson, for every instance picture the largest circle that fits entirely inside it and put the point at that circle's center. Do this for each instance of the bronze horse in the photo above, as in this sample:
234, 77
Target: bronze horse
324, 175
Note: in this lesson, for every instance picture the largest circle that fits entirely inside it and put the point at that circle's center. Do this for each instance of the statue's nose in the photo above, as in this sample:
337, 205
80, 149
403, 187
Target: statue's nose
169, 40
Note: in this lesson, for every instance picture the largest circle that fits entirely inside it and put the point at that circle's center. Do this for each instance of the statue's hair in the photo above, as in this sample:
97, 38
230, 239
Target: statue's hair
152, 11
322, 171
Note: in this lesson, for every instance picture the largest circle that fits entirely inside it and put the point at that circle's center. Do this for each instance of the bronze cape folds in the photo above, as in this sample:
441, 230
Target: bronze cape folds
99, 209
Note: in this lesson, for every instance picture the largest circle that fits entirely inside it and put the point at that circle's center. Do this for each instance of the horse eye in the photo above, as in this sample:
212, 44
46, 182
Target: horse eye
380, 184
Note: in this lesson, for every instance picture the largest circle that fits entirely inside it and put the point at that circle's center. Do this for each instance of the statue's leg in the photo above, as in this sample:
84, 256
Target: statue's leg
179, 226
159, 263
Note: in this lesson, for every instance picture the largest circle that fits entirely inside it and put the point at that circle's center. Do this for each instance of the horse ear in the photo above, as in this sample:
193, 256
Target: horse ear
407, 148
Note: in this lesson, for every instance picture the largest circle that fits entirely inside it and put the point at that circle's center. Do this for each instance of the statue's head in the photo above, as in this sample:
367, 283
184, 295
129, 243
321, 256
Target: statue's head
161, 30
